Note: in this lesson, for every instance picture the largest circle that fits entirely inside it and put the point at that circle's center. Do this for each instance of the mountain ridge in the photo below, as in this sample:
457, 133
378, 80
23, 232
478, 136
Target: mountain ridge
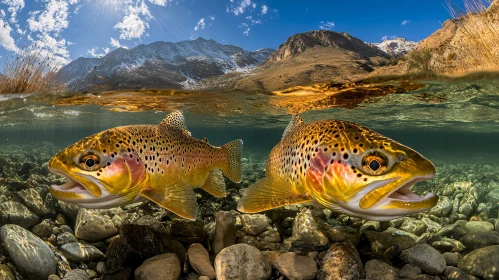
147, 65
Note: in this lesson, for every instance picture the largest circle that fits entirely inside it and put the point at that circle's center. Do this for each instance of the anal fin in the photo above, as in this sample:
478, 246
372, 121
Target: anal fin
175, 196
215, 184
267, 194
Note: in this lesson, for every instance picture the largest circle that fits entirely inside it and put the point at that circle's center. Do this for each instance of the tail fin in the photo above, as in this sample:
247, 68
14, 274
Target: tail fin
233, 151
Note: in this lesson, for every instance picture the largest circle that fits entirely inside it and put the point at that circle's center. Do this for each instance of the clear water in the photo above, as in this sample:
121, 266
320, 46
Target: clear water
450, 120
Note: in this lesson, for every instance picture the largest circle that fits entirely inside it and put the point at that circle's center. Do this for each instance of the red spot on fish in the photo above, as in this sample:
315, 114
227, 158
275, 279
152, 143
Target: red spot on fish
315, 173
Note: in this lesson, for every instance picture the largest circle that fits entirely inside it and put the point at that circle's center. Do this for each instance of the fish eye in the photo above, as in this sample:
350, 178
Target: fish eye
374, 163
89, 162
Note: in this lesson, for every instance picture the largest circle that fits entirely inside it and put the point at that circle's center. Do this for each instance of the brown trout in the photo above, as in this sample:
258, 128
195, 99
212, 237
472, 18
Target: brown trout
342, 166
162, 163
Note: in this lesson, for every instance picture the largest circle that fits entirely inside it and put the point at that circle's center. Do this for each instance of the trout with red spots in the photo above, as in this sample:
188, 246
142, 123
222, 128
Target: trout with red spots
162, 163
342, 166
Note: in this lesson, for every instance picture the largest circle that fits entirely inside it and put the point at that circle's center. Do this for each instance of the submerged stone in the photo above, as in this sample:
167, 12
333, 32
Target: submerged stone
33, 258
241, 262
483, 262
341, 261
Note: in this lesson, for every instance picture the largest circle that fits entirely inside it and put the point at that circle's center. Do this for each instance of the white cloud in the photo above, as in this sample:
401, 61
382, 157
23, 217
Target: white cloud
159, 2
386, 37
247, 31
115, 43
253, 5
264, 9
256, 21
6, 39
249, 17
200, 25
53, 19
14, 7
326, 25
95, 52
212, 17
243, 5
45, 27
405, 22
132, 25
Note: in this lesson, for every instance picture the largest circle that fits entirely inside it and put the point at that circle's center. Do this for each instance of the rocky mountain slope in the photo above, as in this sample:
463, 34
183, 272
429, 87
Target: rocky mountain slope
305, 58
397, 47
466, 43
160, 64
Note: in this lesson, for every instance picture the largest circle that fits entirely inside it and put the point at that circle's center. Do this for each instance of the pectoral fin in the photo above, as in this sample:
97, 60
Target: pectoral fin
215, 184
175, 196
267, 194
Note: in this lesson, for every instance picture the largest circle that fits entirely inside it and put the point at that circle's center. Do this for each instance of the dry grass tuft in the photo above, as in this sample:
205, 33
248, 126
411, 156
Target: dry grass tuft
480, 27
30, 71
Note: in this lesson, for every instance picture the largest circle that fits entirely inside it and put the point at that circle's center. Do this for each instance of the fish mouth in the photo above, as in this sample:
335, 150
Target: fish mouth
71, 189
405, 194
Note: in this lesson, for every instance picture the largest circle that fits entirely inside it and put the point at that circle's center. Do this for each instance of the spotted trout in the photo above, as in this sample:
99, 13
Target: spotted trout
344, 167
162, 163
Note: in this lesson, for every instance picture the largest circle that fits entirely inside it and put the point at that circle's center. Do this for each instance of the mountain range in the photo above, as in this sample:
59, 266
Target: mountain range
160, 65
205, 64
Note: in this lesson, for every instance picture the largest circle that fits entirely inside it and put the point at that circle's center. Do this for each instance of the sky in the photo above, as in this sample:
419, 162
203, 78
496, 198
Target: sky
68, 29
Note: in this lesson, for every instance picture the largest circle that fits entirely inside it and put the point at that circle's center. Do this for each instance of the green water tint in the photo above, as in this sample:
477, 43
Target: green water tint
438, 116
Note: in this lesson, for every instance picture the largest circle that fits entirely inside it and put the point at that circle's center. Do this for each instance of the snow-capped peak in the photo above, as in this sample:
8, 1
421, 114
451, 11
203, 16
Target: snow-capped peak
397, 47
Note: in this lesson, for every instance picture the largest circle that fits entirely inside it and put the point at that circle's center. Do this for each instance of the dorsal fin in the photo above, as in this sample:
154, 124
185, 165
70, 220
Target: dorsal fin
296, 121
175, 120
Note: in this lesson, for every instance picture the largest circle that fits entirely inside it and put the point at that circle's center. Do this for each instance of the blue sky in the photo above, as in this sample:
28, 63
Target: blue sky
68, 29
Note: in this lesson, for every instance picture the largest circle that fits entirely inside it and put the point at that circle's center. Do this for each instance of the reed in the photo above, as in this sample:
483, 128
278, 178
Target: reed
480, 28
30, 70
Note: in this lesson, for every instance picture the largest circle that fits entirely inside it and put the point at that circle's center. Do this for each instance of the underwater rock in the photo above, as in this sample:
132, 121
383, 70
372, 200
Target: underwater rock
340, 233
385, 242
78, 252
478, 226
6, 273
493, 196
296, 267
431, 226
16, 213
425, 257
69, 209
443, 207
161, 267
65, 238
454, 231
370, 225
448, 245
451, 259
413, 226
468, 203
255, 224
306, 229
402, 232
76, 274
94, 225
395, 223
483, 262
34, 201
33, 258
341, 261
225, 231
241, 261
376, 269
44, 228
480, 239
199, 259
453, 273
409, 271
187, 231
